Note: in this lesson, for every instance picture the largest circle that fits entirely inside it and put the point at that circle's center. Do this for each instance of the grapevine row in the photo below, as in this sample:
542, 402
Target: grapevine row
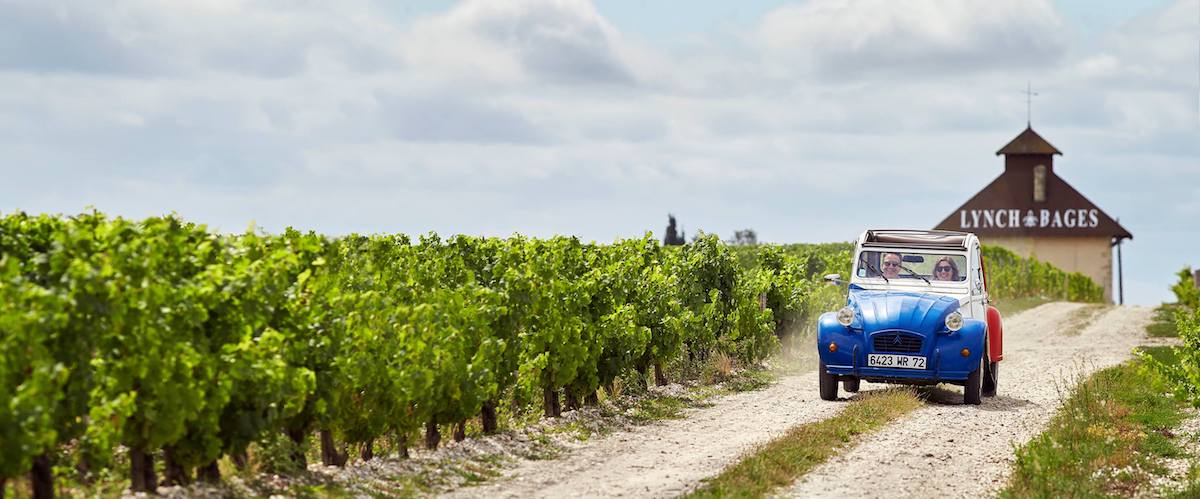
172, 341
1011, 276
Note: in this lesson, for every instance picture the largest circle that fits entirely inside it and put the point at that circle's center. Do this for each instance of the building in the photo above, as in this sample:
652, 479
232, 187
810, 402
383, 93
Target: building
1030, 210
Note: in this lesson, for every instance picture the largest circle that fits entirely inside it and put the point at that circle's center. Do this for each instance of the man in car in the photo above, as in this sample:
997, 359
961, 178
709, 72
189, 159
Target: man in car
891, 265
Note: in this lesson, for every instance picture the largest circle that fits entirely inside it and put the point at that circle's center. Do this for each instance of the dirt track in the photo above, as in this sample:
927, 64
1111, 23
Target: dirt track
945, 449
667, 458
942, 449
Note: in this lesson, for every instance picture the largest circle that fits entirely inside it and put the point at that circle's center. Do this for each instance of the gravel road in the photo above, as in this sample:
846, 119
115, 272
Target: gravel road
667, 458
942, 449
946, 449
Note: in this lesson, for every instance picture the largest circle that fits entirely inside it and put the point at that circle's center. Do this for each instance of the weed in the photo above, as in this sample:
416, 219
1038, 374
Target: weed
472, 475
750, 379
273, 455
658, 408
320, 490
1163, 323
544, 449
581, 430
1083, 317
720, 365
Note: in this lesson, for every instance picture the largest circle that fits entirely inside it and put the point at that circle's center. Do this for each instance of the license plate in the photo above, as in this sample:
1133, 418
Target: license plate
896, 361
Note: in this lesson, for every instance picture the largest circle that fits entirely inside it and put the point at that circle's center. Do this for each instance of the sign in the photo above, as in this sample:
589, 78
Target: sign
1080, 218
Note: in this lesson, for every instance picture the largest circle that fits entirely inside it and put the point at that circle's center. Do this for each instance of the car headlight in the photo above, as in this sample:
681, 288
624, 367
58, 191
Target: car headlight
954, 321
845, 316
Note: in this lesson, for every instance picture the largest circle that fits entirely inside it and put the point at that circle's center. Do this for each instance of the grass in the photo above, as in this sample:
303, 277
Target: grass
1083, 317
320, 490
779, 462
1108, 439
580, 431
1163, 323
473, 474
664, 407
750, 380
1013, 306
658, 409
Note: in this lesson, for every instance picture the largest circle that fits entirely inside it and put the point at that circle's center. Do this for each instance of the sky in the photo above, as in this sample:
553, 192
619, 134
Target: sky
806, 121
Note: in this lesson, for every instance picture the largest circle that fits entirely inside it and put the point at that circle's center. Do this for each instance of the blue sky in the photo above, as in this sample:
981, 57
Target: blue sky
597, 119
663, 19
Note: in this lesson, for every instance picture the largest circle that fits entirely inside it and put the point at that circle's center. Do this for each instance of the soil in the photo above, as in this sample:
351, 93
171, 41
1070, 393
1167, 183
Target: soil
941, 449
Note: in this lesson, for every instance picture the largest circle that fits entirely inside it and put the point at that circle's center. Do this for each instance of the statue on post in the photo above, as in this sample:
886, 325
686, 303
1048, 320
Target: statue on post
673, 238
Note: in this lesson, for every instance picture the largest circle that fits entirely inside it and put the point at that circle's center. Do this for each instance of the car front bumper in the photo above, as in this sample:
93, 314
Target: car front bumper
944, 362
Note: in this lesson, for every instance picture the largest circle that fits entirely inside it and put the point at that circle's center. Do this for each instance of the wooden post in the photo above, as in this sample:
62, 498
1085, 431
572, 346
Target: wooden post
432, 437
41, 477
1120, 275
487, 415
1196, 277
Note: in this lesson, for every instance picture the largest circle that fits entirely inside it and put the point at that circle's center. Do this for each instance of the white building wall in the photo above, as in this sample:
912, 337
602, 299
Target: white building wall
1090, 256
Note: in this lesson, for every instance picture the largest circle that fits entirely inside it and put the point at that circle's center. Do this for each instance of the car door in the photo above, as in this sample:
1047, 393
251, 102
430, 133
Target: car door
978, 306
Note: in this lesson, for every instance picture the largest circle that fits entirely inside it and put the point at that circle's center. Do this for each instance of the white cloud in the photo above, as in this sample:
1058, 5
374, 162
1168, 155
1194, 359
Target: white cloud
1164, 37
1141, 78
1097, 67
857, 39
558, 41
183, 38
453, 118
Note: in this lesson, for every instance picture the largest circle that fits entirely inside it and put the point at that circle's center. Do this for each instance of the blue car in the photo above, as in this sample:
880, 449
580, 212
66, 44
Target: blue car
917, 313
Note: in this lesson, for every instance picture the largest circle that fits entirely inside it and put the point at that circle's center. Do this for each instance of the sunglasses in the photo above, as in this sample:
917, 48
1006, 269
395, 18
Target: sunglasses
944, 269
891, 264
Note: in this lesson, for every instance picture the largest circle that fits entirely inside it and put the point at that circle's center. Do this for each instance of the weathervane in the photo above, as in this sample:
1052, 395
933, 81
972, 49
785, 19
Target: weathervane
1029, 93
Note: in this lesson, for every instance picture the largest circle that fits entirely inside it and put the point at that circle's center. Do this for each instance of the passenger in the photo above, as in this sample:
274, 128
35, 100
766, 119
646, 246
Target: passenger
891, 265
945, 270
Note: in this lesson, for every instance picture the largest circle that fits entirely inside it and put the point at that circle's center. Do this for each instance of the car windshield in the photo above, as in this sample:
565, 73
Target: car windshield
930, 266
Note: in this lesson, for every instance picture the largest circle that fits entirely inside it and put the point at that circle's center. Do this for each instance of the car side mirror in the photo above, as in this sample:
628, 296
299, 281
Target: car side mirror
835, 279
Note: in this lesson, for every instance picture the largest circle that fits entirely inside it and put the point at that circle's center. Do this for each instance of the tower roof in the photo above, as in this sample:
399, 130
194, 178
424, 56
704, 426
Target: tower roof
1028, 142
1006, 208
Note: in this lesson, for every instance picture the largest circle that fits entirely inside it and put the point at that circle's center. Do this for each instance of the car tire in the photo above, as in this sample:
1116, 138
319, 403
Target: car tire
974, 385
851, 385
829, 386
991, 379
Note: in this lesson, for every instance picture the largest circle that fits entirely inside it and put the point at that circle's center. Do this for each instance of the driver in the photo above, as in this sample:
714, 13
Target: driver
891, 265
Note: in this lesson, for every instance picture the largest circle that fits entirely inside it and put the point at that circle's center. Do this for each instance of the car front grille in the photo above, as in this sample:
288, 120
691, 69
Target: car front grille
897, 342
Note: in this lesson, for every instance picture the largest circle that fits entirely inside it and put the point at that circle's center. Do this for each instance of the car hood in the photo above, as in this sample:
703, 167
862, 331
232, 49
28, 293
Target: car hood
879, 310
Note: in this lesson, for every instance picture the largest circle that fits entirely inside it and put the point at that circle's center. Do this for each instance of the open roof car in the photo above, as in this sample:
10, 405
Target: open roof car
917, 313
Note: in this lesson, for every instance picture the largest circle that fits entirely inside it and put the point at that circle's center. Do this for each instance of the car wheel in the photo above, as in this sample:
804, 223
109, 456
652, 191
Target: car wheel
828, 384
991, 379
851, 385
974, 385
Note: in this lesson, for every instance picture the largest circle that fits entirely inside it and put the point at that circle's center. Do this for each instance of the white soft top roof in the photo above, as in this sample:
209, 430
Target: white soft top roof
917, 239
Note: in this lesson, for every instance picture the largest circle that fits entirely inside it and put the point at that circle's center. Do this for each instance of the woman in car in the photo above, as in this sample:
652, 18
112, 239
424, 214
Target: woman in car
945, 270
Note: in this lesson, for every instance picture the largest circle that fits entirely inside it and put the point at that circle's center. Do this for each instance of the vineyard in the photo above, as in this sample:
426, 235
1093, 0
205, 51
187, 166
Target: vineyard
1184, 375
1012, 276
167, 342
